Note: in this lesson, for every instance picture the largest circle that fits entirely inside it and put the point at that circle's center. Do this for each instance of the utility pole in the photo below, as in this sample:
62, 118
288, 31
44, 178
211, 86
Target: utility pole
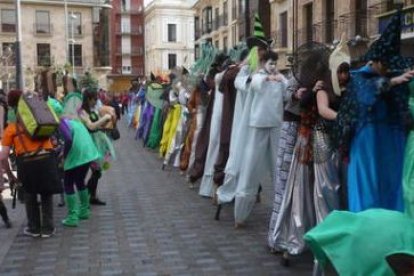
66, 32
19, 67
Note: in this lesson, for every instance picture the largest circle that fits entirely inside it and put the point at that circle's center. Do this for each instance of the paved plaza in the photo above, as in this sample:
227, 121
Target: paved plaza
152, 225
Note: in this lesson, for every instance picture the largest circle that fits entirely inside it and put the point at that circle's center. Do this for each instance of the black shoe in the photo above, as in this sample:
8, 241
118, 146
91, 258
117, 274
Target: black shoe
31, 233
96, 201
48, 233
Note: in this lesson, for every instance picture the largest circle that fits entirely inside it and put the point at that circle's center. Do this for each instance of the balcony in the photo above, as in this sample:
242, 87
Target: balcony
133, 70
8, 28
134, 51
129, 30
207, 28
133, 10
42, 30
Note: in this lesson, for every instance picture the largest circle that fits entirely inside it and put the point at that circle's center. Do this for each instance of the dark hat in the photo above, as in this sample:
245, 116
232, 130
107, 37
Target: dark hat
220, 59
258, 39
387, 48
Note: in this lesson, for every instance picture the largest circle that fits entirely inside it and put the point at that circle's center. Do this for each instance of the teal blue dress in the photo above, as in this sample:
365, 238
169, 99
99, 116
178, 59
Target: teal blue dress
377, 143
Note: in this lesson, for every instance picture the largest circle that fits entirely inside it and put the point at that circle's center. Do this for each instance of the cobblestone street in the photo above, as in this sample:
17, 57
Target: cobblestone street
152, 225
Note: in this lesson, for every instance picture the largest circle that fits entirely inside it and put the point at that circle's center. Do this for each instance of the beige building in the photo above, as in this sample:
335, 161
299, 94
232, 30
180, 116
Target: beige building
224, 23
45, 40
293, 22
216, 22
169, 35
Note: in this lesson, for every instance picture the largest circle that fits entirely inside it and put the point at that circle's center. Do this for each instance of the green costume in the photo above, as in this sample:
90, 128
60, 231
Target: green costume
358, 243
408, 170
156, 130
83, 149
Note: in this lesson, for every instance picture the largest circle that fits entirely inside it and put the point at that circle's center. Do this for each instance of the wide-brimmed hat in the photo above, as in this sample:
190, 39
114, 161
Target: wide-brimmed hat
339, 56
258, 39
387, 47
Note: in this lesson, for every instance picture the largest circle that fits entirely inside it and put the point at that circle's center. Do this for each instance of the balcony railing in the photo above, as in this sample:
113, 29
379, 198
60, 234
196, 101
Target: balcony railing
207, 27
8, 28
129, 30
135, 70
134, 9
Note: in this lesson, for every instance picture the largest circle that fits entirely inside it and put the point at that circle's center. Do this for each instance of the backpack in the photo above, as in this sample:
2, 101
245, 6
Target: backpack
36, 116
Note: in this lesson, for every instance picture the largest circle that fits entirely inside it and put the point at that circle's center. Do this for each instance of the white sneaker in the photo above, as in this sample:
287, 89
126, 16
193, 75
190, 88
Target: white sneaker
48, 234
30, 233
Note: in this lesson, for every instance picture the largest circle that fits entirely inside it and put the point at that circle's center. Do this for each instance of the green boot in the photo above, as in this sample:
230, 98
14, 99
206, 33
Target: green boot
84, 210
71, 219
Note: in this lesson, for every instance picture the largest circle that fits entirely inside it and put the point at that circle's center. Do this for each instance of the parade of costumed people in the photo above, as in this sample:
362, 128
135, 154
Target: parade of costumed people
334, 141
294, 129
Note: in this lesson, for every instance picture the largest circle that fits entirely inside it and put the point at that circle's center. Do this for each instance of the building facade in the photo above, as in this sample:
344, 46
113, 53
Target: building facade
127, 43
293, 22
225, 23
78, 42
169, 35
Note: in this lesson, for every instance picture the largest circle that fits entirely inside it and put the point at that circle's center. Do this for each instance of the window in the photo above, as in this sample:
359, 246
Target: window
8, 21
196, 52
361, 18
77, 58
234, 34
75, 20
225, 44
196, 27
42, 22
8, 56
217, 19
207, 20
43, 54
241, 7
308, 22
225, 13
233, 10
172, 32
172, 61
216, 44
283, 18
330, 21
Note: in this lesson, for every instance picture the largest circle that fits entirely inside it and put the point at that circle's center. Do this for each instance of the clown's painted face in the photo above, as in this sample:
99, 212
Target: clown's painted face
270, 66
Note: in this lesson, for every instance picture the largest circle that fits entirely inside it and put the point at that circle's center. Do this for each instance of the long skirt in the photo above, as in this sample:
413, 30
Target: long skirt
154, 137
287, 142
206, 186
170, 126
297, 213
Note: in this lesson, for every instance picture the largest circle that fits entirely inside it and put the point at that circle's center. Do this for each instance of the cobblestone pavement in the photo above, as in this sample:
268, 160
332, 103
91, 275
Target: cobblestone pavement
152, 225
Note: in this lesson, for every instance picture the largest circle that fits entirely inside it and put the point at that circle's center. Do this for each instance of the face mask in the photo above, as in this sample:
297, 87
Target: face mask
270, 66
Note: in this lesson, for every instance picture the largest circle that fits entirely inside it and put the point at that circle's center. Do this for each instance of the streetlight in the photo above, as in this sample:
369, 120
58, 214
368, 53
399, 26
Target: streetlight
72, 18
